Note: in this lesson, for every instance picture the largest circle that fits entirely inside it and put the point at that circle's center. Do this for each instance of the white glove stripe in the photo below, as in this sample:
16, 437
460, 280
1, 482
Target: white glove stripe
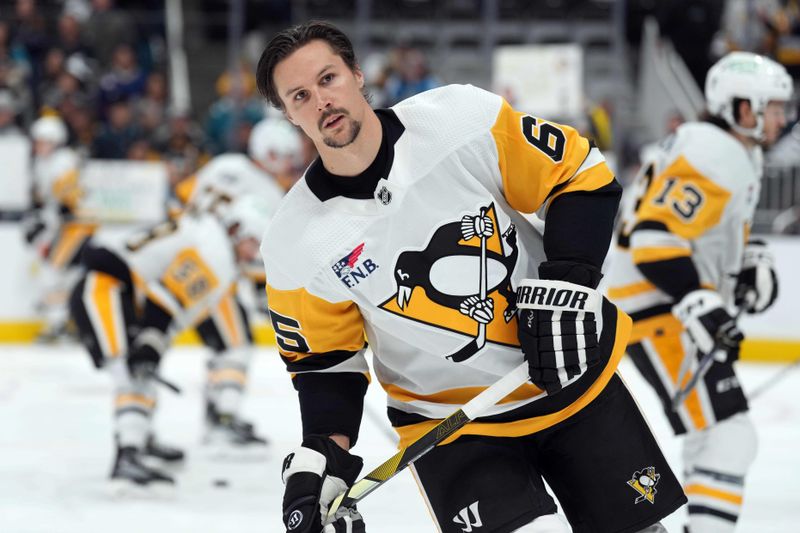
579, 323
558, 348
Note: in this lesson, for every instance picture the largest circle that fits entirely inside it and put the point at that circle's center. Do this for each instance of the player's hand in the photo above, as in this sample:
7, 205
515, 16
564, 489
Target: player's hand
757, 282
145, 353
314, 474
557, 330
708, 323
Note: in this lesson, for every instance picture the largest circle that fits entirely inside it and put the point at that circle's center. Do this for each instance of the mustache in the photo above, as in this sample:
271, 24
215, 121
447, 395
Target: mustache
330, 112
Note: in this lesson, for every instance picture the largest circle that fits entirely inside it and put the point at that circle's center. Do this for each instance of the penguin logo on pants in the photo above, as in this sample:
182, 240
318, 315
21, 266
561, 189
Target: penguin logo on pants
461, 282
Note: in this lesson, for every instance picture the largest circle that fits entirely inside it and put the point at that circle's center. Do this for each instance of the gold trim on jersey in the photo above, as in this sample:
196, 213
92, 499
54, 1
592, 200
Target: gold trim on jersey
67, 190
71, 237
103, 306
189, 278
632, 289
227, 318
301, 317
591, 179
684, 200
518, 428
529, 175
185, 188
652, 254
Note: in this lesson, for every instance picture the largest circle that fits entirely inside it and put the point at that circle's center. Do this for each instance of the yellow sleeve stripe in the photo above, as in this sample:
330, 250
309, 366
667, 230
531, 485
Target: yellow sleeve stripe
650, 255
185, 188
591, 179
633, 289
528, 174
323, 326
459, 396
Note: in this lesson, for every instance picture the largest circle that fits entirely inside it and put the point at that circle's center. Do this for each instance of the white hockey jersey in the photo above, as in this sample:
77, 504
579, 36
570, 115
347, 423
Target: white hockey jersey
185, 266
229, 176
394, 268
697, 199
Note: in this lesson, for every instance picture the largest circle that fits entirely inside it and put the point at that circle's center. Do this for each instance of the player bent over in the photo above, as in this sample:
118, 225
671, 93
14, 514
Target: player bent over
407, 232
685, 262
138, 293
273, 146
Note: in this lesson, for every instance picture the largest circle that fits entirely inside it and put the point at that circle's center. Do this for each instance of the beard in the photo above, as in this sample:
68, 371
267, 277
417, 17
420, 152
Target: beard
353, 128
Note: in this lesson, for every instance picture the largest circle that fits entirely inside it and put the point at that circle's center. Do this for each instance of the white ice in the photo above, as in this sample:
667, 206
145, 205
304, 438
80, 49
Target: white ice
56, 452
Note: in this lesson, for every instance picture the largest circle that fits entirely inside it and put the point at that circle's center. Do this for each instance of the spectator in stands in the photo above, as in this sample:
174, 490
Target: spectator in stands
411, 76
118, 134
106, 29
80, 119
124, 79
72, 83
752, 26
53, 67
234, 113
15, 69
70, 39
8, 114
180, 143
30, 31
151, 108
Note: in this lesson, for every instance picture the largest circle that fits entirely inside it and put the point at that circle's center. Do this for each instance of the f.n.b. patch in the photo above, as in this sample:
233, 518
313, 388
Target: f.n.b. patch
351, 270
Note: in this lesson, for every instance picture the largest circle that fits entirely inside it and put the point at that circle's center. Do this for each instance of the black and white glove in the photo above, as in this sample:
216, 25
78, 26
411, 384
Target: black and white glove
557, 330
709, 325
314, 474
757, 282
145, 353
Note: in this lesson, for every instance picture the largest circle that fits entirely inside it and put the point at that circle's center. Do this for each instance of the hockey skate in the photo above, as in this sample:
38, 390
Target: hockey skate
131, 477
168, 454
230, 438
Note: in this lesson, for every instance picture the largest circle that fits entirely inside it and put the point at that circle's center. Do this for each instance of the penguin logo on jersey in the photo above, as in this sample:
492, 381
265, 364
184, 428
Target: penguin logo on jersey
644, 482
461, 282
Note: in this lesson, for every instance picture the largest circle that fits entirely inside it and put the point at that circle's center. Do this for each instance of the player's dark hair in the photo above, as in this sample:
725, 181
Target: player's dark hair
287, 41
721, 122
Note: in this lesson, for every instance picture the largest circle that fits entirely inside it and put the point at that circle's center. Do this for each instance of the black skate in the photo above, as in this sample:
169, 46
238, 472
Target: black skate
159, 450
229, 437
131, 476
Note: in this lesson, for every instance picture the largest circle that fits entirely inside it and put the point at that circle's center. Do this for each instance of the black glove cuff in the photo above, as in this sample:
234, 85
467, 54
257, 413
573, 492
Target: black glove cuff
578, 273
340, 463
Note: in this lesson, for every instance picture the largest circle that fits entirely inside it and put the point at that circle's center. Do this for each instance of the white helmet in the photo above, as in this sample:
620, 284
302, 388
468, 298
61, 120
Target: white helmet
750, 77
49, 129
273, 135
250, 214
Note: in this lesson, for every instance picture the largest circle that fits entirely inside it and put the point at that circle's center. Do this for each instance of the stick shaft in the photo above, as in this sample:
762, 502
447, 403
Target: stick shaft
471, 410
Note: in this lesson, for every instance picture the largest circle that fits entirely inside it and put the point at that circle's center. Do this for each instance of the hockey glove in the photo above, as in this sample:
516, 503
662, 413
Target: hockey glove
557, 330
146, 353
314, 474
709, 324
757, 283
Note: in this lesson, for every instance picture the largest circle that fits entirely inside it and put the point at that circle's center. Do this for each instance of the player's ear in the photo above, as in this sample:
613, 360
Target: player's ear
359, 77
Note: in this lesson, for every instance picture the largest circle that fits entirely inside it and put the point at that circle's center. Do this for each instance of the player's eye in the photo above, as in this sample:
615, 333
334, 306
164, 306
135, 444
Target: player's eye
327, 78
299, 95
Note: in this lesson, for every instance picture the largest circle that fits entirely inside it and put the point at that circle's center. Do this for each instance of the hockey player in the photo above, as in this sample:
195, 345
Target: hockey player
138, 293
54, 228
685, 261
273, 145
407, 232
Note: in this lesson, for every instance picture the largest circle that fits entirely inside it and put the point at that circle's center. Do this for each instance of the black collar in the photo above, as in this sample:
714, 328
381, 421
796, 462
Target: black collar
325, 185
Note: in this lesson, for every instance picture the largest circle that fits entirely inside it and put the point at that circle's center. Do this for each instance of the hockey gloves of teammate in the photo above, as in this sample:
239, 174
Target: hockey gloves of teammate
145, 353
558, 323
757, 283
314, 474
708, 323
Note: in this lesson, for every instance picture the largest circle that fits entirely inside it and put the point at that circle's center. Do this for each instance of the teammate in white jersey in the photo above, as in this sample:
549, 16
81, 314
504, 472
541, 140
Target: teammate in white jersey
408, 232
273, 146
141, 291
685, 261
54, 228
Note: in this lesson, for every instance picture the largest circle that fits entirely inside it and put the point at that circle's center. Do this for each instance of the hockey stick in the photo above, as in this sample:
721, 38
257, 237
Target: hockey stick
702, 368
472, 347
779, 375
155, 376
468, 412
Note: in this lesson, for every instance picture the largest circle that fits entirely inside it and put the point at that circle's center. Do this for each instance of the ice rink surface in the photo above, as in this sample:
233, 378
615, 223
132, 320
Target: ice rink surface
56, 451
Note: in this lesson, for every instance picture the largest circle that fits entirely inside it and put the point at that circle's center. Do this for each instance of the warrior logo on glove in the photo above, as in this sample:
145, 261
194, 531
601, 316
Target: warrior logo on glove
558, 330
461, 282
